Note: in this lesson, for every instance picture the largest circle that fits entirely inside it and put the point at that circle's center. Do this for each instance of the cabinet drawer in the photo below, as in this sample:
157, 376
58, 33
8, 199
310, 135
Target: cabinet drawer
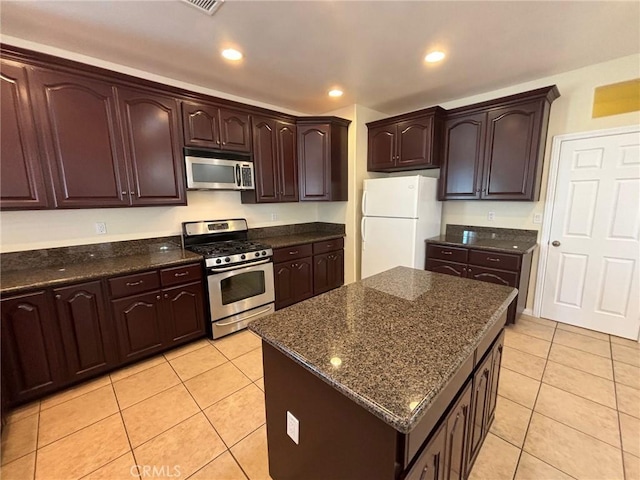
291, 253
492, 275
503, 261
328, 246
132, 284
182, 274
450, 254
448, 268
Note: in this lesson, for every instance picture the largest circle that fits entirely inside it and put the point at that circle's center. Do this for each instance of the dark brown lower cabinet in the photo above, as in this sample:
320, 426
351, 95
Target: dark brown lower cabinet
31, 350
185, 315
328, 271
431, 464
293, 281
138, 323
457, 424
89, 347
479, 407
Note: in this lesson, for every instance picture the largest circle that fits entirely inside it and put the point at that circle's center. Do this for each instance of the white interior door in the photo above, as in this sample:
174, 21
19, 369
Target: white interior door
387, 243
592, 276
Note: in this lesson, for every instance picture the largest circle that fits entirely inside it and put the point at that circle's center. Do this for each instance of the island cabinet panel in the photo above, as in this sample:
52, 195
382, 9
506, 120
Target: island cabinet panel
457, 424
85, 326
494, 150
275, 162
323, 158
81, 138
496, 362
431, 463
512, 270
31, 358
153, 147
22, 181
337, 437
207, 125
406, 142
479, 408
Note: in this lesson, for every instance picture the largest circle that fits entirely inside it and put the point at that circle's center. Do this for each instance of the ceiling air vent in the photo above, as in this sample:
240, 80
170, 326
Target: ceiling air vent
207, 6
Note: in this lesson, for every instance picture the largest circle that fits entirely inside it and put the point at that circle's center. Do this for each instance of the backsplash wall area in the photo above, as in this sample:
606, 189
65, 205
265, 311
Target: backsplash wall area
28, 230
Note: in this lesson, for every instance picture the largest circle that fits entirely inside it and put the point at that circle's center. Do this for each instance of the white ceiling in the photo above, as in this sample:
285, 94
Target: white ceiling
295, 51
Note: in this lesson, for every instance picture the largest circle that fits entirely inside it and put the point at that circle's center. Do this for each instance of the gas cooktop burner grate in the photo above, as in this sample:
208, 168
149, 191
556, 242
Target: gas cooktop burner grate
230, 247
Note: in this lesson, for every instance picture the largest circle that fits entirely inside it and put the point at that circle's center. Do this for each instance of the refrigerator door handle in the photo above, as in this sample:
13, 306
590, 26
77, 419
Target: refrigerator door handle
364, 203
364, 239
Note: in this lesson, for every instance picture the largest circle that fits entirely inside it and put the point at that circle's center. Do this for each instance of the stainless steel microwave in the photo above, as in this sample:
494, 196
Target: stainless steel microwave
213, 173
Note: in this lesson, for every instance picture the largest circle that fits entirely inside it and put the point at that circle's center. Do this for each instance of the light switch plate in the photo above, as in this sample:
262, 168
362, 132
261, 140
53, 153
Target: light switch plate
537, 218
491, 216
101, 228
293, 428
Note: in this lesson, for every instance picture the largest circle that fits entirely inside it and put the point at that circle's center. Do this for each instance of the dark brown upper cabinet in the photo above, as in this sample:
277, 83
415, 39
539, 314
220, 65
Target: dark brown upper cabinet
207, 125
275, 162
153, 147
81, 138
22, 182
406, 142
494, 150
323, 158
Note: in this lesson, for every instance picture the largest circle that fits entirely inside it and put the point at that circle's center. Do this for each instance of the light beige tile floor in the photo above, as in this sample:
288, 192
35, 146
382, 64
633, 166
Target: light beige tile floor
568, 407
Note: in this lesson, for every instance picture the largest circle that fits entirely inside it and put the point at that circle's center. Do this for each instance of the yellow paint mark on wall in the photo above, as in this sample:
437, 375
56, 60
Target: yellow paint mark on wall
616, 98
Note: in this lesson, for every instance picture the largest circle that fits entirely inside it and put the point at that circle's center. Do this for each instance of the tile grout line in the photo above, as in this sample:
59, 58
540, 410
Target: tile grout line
615, 394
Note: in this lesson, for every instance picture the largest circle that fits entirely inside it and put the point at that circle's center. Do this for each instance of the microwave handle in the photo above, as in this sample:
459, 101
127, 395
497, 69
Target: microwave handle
238, 176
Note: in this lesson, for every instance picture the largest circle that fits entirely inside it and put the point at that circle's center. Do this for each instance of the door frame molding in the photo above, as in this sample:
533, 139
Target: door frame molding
552, 180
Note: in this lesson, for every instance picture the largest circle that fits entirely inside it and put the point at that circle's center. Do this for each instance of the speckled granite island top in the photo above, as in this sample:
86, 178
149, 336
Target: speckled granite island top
390, 342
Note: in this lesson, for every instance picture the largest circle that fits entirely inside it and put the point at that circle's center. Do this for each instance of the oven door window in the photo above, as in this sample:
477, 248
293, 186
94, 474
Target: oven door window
242, 286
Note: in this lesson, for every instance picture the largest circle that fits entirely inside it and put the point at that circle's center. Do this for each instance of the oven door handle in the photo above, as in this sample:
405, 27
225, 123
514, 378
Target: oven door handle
238, 267
265, 310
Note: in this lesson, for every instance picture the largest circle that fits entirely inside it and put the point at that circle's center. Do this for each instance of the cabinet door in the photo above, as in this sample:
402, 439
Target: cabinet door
284, 277
22, 182
265, 159
200, 125
235, 130
314, 161
303, 279
336, 269
85, 328
153, 147
511, 152
495, 377
184, 308
431, 463
31, 362
381, 148
448, 268
479, 406
461, 171
414, 143
321, 267
138, 323
457, 427
80, 135
287, 162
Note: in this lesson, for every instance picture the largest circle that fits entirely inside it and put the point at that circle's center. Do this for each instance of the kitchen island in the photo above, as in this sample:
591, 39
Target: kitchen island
391, 377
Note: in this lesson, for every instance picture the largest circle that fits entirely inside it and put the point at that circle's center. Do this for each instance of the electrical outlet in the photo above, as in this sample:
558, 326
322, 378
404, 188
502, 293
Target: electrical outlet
101, 228
491, 216
274, 217
293, 428
537, 218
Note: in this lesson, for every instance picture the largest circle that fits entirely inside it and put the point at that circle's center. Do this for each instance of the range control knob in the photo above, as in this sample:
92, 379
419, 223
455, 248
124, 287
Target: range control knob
218, 261
227, 259
243, 256
257, 254
264, 253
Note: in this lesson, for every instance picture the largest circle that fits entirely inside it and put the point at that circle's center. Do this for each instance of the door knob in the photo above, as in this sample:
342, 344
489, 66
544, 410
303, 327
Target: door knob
555, 243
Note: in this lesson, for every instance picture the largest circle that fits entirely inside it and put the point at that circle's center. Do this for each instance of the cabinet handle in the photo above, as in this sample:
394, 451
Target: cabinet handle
124, 192
157, 297
293, 252
132, 193
58, 296
133, 284
444, 252
329, 245
469, 270
493, 259
183, 274
166, 295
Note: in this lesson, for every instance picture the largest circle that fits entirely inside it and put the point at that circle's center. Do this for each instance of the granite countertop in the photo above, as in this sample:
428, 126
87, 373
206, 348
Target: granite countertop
299, 239
390, 342
495, 244
14, 281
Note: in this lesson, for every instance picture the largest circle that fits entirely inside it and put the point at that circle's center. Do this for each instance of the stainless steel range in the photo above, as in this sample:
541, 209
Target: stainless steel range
239, 272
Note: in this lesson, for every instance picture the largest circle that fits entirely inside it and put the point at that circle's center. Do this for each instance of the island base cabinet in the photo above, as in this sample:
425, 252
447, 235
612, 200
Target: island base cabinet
338, 439
431, 464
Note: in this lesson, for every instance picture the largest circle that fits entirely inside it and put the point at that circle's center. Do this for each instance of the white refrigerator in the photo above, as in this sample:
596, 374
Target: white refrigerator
398, 214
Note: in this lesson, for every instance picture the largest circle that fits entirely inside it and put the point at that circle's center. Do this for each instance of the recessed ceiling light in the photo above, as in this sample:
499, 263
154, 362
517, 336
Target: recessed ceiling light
434, 57
336, 92
231, 54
